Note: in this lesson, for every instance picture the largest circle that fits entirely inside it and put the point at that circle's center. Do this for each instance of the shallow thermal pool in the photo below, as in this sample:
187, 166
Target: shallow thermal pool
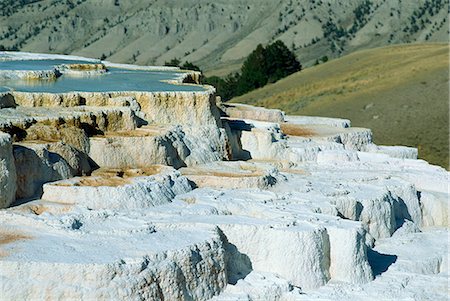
116, 79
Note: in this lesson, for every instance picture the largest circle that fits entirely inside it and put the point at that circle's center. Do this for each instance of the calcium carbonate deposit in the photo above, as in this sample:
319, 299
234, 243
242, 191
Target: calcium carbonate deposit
122, 182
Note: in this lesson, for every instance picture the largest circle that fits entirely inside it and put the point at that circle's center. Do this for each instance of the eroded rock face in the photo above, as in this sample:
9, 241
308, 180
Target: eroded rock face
175, 146
70, 135
49, 124
7, 172
262, 246
158, 107
7, 101
350, 269
39, 163
172, 108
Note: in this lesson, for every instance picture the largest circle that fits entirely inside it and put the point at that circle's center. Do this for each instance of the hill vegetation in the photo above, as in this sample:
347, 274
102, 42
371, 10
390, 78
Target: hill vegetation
264, 65
400, 92
216, 35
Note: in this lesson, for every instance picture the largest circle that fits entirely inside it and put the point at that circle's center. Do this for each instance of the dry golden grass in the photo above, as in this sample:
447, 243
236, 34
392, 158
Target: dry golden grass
400, 92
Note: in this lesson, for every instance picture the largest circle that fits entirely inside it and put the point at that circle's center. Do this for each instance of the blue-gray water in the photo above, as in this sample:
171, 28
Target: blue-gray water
114, 80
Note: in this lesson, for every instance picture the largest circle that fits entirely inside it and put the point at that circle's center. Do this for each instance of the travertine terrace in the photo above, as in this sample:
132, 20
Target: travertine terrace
166, 194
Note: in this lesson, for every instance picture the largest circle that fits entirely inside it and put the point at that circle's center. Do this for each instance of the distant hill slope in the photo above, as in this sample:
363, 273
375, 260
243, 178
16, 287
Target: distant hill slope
400, 92
216, 35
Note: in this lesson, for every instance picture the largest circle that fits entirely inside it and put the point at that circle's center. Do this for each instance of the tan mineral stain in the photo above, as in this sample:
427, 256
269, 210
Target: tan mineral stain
220, 174
296, 130
96, 182
112, 177
86, 67
10, 236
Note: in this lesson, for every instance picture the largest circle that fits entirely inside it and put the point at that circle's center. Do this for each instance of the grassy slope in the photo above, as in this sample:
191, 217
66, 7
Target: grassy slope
400, 92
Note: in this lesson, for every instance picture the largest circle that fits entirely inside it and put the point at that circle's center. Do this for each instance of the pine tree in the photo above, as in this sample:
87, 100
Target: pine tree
253, 72
280, 62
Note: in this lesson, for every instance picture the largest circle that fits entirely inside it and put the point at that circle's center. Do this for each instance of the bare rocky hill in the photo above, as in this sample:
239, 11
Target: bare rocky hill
215, 34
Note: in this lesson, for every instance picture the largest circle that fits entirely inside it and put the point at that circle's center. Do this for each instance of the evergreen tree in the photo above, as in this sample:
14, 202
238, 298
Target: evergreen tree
253, 72
190, 66
263, 65
230, 86
173, 63
280, 62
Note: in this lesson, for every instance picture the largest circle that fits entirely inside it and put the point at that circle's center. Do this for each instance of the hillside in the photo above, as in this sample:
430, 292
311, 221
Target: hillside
215, 35
400, 92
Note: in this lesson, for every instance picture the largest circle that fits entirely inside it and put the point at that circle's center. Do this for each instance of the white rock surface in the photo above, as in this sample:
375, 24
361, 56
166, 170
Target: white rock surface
435, 208
114, 192
413, 267
401, 152
259, 286
242, 111
175, 146
340, 236
233, 175
336, 156
275, 249
28, 75
316, 212
311, 120
98, 256
267, 141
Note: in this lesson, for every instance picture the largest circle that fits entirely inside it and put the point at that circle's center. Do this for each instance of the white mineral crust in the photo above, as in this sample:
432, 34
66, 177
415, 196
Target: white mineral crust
251, 205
